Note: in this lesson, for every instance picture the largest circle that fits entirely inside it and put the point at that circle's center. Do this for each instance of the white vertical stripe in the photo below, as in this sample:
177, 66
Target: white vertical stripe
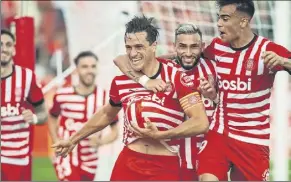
99, 98
166, 73
261, 65
28, 80
8, 88
213, 119
133, 114
205, 66
75, 160
174, 72
18, 88
90, 105
240, 62
221, 114
254, 51
188, 153
200, 72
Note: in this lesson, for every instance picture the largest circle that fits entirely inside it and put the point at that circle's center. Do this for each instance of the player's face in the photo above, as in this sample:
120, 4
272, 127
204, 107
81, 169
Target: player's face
87, 70
138, 49
188, 48
229, 23
7, 49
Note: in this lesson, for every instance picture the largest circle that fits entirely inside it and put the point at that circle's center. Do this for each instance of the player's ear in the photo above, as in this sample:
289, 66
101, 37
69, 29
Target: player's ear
244, 22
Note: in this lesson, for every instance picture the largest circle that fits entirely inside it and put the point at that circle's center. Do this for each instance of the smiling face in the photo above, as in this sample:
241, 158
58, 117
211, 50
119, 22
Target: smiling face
139, 50
87, 70
230, 23
188, 48
7, 49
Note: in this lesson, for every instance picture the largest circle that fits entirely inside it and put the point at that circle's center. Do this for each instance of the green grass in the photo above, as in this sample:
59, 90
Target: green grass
43, 170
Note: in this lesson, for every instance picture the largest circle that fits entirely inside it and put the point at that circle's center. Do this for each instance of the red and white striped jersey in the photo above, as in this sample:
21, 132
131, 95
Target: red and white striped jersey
244, 89
73, 111
18, 90
162, 108
190, 146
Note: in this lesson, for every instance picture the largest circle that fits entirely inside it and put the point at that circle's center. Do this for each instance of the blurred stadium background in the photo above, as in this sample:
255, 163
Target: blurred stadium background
63, 28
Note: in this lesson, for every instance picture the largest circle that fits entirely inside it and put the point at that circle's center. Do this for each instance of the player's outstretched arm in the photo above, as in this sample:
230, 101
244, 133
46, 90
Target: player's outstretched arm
97, 122
122, 62
97, 141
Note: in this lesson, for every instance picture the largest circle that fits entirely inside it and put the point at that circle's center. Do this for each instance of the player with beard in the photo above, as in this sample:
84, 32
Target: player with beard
188, 46
72, 107
145, 158
19, 92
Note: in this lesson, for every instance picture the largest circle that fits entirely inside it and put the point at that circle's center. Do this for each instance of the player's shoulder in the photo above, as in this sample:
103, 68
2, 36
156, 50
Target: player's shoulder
122, 80
65, 90
218, 40
206, 61
168, 62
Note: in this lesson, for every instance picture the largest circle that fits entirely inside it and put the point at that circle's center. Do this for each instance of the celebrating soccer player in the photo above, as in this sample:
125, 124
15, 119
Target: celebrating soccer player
19, 91
145, 158
74, 105
239, 133
188, 46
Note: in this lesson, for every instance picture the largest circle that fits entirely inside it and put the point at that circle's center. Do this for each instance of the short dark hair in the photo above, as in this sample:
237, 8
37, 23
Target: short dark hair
85, 54
187, 28
246, 6
143, 24
9, 33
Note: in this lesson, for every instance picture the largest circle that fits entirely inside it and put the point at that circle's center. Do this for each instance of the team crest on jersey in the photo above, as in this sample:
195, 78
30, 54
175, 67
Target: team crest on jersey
187, 80
250, 64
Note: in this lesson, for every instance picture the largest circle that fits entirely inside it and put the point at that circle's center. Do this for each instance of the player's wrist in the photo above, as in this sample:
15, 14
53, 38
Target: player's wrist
143, 80
216, 99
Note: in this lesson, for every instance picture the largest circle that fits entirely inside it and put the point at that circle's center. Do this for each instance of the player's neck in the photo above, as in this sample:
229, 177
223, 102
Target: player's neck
151, 68
81, 89
6, 70
243, 40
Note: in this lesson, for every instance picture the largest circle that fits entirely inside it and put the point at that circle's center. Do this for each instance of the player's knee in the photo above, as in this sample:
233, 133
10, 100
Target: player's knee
208, 177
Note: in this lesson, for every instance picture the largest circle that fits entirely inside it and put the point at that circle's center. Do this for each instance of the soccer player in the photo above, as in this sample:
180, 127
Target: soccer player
19, 92
188, 47
142, 158
73, 106
239, 134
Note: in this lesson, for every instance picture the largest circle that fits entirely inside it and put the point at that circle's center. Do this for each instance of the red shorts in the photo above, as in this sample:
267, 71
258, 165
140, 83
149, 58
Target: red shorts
131, 165
66, 171
10, 172
188, 174
219, 153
